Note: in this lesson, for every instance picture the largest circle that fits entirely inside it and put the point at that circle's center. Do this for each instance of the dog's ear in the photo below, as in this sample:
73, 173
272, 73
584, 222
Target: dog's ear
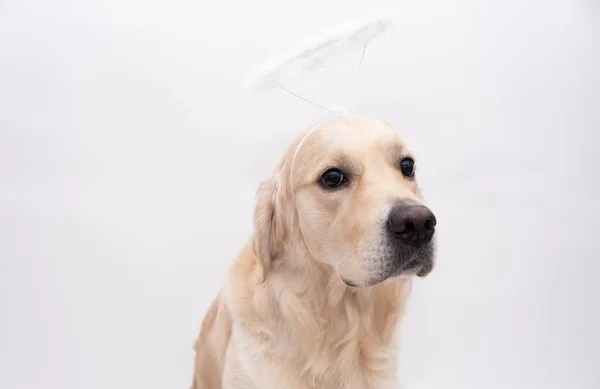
269, 222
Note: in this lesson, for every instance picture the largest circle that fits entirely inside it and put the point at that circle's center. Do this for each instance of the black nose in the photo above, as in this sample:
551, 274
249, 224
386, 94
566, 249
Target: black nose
413, 224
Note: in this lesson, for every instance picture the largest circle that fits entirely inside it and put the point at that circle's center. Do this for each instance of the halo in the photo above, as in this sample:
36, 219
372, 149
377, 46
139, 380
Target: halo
314, 52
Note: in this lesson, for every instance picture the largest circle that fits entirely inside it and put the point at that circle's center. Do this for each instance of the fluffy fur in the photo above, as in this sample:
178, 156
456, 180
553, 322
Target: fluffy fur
285, 317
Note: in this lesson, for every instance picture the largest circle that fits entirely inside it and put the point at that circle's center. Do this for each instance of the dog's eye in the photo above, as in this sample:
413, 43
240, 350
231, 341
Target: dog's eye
408, 167
332, 178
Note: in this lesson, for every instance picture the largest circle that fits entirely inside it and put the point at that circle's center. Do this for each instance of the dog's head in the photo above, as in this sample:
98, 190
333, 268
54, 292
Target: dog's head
346, 190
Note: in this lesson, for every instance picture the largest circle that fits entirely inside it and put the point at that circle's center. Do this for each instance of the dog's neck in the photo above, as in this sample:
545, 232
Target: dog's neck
333, 327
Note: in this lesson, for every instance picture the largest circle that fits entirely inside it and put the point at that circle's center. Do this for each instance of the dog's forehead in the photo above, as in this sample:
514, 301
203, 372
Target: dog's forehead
351, 133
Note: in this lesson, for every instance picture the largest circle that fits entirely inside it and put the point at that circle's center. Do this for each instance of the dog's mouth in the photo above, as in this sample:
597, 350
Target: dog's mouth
425, 269
349, 283
420, 268
420, 263
415, 269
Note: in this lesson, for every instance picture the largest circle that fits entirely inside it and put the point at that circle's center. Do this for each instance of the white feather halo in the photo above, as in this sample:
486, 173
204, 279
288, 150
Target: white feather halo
315, 51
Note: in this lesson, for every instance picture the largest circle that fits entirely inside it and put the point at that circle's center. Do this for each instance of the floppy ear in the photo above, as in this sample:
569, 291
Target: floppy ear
269, 228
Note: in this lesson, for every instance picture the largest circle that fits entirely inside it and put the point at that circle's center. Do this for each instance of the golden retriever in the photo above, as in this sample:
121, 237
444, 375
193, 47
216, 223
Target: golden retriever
314, 297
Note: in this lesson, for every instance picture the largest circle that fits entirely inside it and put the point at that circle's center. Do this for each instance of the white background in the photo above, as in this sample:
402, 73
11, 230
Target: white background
129, 158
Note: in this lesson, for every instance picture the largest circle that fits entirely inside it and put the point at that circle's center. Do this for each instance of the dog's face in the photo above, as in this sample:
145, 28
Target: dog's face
359, 208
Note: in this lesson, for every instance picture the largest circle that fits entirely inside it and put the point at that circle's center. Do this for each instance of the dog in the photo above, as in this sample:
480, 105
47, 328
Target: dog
314, 297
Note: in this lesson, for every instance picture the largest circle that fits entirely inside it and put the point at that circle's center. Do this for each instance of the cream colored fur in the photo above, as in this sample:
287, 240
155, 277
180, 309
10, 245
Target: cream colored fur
285, 319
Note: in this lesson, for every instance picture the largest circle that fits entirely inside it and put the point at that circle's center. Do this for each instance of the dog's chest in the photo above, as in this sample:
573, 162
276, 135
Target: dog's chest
299, 339
351, 364
341, 362
340, 350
